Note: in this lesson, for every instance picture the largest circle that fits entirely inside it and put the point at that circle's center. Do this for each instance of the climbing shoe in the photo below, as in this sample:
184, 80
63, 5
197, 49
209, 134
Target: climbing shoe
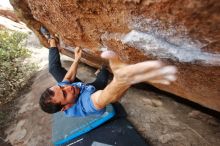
45, 32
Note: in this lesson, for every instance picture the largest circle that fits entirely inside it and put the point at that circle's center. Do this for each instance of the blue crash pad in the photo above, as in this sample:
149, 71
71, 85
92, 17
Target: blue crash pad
65, 128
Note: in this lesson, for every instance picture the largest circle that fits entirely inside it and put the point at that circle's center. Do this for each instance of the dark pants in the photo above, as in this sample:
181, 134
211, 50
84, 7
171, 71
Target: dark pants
58, 72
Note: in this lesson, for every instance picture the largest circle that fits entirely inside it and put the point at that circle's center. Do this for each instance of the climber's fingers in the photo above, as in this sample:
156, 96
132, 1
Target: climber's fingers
166, 80
164, 73
170, 78
78, 53
143, 67
113, 58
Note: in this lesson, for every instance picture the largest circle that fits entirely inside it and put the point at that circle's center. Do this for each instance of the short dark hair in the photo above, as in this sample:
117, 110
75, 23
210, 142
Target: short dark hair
46, 104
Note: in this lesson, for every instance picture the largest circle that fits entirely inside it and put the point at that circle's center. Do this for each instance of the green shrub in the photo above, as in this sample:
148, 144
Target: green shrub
12, 67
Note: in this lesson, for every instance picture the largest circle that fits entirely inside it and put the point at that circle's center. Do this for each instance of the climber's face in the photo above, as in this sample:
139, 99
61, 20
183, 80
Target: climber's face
65, 94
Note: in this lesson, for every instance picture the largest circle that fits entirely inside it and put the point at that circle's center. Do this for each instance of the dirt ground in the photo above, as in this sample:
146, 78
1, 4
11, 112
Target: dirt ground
158, 117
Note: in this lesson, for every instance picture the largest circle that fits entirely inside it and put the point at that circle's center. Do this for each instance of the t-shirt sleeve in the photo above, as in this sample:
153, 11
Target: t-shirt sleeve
84, 107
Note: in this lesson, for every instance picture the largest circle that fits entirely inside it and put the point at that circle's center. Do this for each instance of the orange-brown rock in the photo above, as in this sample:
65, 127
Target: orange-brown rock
184, 33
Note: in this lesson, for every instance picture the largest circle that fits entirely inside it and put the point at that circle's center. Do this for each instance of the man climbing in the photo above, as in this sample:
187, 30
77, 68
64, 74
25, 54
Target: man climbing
81, 99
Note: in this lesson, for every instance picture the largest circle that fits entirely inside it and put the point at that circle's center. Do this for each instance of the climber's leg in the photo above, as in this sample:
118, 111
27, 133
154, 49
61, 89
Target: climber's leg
55, 67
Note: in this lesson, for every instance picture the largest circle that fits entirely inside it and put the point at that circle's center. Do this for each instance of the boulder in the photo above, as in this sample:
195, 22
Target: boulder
184, 33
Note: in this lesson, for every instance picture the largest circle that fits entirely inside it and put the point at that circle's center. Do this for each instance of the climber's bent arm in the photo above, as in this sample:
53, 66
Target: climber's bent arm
71, 74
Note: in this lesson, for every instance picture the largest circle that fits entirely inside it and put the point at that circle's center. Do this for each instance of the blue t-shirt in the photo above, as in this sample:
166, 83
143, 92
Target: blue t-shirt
83, 105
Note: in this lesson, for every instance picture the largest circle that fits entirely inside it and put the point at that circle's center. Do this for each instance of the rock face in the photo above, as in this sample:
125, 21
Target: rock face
184, 33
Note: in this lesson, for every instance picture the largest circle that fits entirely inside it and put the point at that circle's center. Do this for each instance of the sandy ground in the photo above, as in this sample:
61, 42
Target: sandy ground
158, 117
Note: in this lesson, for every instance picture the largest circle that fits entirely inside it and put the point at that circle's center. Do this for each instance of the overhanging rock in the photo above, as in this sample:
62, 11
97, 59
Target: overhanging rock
184, 33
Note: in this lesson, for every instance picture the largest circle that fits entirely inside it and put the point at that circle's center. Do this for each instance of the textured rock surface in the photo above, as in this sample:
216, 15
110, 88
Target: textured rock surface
183, 33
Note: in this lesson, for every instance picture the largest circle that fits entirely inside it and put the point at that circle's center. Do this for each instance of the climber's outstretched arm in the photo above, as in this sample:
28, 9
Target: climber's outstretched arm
126, 75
